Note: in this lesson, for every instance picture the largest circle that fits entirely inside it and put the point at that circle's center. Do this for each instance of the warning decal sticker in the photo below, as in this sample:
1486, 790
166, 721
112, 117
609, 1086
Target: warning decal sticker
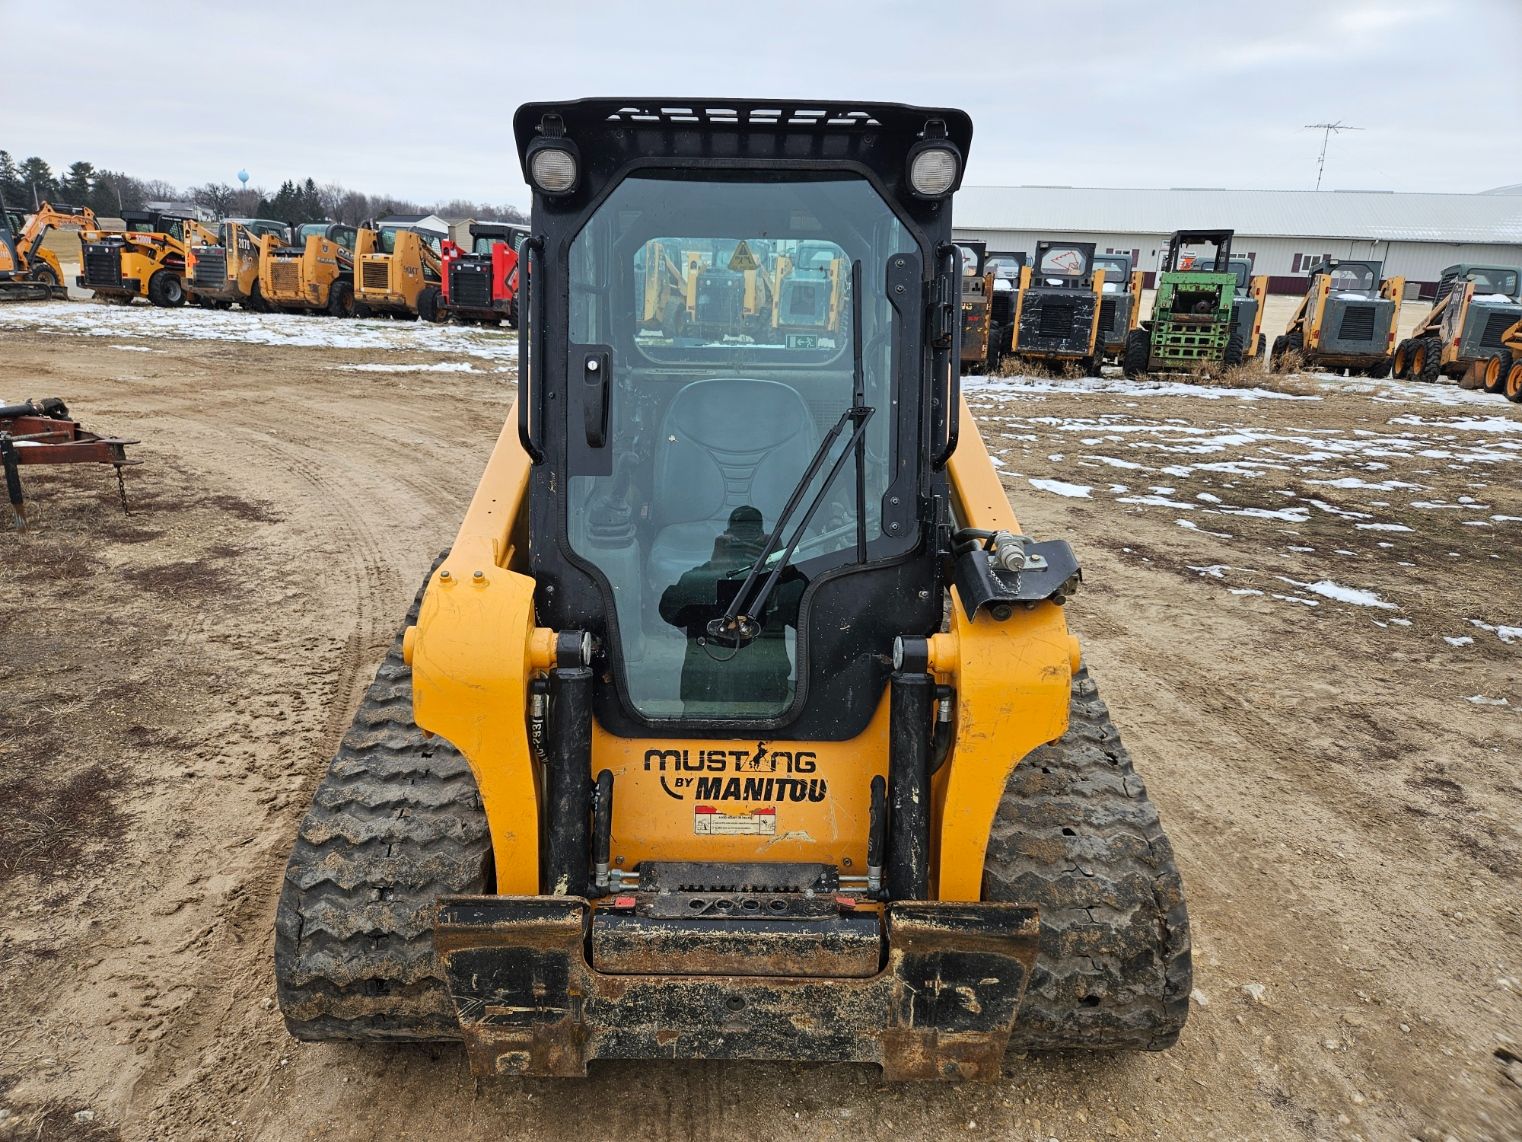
710, 821
742, 259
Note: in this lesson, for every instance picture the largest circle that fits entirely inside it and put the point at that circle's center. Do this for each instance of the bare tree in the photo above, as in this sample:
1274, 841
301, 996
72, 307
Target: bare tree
216, 196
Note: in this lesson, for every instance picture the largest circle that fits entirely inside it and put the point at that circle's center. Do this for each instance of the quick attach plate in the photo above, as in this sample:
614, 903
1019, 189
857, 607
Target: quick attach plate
529, 1003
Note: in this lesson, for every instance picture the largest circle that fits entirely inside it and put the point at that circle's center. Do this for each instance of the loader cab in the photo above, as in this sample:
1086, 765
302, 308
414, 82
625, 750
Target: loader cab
1198, 251
1500, 283
1191, 285
1117, 268
338, 233
1063, 265
256, 228
485, 235
1360, 279
154, 222
1006, 265
386, 238
730, 518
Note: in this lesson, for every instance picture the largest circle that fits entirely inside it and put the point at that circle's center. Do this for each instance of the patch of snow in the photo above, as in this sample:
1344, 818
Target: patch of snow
1060, 488
1333, 509
1157, 501
1468, 424
1355, 482
1021, 384
1215, 570
1243, 591
1288, 515
1481, 700
1330, 590
1461, 640
1190, 525
92, 319
136, 349
436, 367
1381, 527
1298, 599
1506, 634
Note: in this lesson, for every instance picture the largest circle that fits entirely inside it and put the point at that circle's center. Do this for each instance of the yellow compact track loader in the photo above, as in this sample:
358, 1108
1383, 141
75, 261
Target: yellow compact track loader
27, 270
144, 259
222, 264
314, 273
397, 271
742, 719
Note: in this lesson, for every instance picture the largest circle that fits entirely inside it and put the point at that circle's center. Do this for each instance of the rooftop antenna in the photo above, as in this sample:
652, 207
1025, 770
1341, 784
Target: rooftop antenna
1326, 130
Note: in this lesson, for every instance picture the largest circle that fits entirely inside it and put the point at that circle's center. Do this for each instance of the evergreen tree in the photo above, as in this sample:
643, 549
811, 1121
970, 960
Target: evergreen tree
10, 182
77, 186
37, 182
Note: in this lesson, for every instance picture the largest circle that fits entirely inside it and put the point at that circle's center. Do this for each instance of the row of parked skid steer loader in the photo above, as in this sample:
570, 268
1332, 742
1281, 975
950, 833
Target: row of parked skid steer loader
319, 267
1073, 307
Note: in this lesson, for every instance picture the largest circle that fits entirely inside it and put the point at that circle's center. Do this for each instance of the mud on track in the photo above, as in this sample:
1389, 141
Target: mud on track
1290, 605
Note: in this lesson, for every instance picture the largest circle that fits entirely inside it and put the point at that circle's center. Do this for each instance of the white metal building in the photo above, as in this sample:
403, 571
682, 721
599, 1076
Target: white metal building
430, 223
1283, 231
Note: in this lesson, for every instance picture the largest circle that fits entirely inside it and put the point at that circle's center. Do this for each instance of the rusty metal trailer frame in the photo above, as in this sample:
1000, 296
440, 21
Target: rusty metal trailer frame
42, 432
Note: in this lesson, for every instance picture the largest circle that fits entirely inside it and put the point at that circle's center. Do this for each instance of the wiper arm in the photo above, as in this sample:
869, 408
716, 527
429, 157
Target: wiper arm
740, 629
741, 621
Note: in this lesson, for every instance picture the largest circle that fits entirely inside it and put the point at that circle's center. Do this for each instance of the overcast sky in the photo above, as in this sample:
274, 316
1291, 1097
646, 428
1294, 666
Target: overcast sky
416, 100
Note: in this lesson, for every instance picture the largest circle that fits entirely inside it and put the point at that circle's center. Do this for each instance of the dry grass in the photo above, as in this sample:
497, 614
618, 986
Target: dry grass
1038, 370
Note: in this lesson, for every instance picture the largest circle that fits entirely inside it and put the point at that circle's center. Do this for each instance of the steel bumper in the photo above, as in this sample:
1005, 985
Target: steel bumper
530, 1003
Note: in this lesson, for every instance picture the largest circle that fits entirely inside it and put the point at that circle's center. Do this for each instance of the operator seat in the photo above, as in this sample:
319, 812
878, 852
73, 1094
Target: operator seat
725, 443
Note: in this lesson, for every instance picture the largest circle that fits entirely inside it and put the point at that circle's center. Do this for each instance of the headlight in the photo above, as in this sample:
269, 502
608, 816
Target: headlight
933, 171
553, 169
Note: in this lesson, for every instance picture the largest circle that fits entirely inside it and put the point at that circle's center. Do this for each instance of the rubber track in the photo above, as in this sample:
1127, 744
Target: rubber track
395, 824
1076, 835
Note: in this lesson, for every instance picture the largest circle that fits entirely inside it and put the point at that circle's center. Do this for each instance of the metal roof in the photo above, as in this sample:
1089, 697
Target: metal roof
1380, 215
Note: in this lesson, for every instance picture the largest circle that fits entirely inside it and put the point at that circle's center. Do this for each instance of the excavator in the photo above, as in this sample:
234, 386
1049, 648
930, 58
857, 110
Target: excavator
742, 718
28, 272
398, 271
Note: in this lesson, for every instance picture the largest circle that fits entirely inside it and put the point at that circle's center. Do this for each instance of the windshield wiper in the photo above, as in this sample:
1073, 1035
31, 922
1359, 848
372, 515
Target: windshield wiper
741, 621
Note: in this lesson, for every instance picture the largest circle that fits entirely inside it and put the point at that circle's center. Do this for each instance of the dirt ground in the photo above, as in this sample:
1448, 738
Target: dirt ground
1302, 605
